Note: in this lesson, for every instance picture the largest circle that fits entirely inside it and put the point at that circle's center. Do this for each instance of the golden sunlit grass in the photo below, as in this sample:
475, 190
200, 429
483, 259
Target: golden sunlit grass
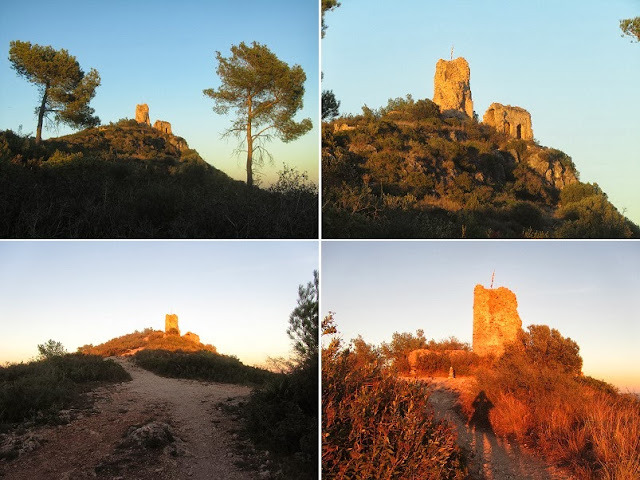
588, 428
534, 394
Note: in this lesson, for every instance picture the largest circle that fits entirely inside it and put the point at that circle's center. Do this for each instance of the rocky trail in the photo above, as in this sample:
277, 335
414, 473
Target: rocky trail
184, 434
490, 457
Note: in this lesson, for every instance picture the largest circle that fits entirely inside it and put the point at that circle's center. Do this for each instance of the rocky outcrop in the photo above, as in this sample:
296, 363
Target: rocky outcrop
554, 166
192, 337
152, 435
452, 88
495, 319
142, 114
164, 127
171, 324
179, 142
513, 121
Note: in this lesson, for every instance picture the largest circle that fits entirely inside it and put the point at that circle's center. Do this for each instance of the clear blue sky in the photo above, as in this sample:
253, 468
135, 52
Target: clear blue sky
587, 290
163, 53
564, 61
235, 295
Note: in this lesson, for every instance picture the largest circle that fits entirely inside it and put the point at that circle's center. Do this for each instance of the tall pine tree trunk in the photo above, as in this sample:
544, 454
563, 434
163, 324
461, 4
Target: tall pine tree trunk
43, 106
249, 146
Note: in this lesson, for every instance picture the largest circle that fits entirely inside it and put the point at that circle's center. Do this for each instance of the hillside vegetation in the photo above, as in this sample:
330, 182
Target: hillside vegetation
406, 171
128, 180
148, 339
534, 393
37, 390
375, 425
201, 365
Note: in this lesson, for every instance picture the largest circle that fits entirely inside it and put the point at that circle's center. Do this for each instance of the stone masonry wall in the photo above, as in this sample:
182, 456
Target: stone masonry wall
171, 324
142, 114
513, 121
452, 88
164, 127
495, 319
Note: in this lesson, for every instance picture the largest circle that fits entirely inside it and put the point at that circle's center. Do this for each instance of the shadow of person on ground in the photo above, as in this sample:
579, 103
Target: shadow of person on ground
480, 417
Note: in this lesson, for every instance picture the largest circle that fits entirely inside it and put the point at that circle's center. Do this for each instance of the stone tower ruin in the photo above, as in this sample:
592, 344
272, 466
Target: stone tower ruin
171, 324
142, 114
452, 88
495, 319
513, 121
164, 127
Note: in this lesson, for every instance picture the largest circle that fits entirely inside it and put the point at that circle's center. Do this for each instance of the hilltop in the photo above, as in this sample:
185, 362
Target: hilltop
148, 339
408, 171
431, 169
129, 180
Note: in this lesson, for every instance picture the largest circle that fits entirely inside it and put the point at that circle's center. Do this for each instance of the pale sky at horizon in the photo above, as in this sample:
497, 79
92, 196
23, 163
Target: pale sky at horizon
236, 295
589, 291
565, 62
163, 53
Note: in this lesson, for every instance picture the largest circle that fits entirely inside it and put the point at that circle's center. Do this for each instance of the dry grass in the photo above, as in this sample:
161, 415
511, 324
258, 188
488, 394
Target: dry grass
593, 433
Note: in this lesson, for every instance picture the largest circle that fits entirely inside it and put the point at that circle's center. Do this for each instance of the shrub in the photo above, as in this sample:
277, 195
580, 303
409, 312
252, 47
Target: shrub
578, 191
50, 349
37, 390
282, 417
376, 426
201, 365
536, 395
593, 216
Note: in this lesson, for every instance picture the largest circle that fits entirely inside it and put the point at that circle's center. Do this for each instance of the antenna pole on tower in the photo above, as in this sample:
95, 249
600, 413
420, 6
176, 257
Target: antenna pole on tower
492, 277
451, 52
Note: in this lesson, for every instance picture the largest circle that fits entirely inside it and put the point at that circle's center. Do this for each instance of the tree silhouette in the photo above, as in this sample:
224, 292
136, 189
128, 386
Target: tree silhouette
65, 90
50, 349
303, 322
266, 94
330, 105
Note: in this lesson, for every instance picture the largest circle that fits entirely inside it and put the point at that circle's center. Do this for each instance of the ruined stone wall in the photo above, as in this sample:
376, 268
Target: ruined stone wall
495, 319
452, 88
191, 336
414, 356
164, 127
513, 121
171, 324
142, 114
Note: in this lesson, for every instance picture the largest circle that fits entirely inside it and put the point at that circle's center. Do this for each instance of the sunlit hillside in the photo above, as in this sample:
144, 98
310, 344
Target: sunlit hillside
532, 407
408, 171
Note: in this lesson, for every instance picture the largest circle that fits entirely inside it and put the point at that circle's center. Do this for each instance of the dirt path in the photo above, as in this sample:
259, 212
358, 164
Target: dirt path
203, 449
490, 457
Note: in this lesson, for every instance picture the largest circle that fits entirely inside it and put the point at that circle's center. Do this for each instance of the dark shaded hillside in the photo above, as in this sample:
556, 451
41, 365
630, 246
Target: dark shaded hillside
127, 180
406, 171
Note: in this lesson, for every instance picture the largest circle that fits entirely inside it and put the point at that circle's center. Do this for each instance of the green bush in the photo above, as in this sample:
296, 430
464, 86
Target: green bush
38, 389
201, 366
282, 417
